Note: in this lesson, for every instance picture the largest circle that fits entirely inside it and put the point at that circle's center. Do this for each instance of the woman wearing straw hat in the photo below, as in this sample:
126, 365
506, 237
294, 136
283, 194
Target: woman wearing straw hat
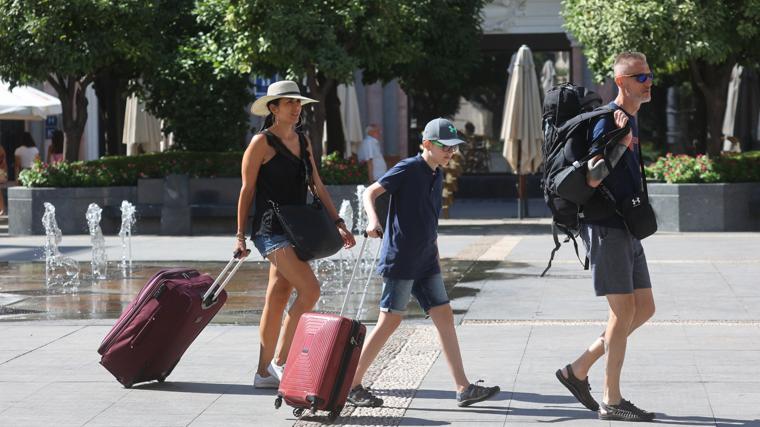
272, 170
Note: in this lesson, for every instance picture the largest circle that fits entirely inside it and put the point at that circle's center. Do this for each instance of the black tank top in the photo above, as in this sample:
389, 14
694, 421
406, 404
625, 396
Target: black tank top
282, 180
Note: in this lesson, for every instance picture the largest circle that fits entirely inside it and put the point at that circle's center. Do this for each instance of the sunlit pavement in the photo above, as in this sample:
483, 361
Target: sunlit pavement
694, 364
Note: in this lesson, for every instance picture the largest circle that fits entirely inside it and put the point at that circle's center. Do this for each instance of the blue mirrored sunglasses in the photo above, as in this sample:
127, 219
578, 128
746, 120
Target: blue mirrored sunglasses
640, 77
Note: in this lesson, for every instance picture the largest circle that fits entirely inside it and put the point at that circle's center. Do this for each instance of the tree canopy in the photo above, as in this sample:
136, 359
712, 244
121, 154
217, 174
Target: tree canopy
705, 37
324, 42
204, 107
66, 43
440, 72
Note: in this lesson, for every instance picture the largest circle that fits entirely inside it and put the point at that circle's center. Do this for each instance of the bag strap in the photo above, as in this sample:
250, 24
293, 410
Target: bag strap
307, 168
557, 245
585, 116
643, 173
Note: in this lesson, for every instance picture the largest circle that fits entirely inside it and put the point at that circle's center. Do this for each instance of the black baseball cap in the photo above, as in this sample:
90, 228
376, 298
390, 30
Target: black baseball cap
441, 130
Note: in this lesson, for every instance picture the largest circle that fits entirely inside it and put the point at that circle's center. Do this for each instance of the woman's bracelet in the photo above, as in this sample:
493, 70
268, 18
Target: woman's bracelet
339, 221
240, 237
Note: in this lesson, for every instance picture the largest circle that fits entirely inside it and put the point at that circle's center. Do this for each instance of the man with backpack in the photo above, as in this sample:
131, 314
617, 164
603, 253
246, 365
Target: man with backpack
618, 264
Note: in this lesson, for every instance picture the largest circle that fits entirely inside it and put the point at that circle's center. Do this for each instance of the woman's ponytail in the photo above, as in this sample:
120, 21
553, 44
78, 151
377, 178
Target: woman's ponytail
268, 122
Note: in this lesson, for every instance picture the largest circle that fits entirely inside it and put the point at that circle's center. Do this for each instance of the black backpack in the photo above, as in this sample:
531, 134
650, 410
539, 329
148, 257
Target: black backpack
568, 114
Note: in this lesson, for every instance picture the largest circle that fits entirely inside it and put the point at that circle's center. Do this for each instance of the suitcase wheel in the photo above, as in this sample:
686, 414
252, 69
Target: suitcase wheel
297, 412
333, 415
278, 402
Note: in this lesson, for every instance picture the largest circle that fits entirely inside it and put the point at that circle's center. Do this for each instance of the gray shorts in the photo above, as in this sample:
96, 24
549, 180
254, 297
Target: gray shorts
618, 263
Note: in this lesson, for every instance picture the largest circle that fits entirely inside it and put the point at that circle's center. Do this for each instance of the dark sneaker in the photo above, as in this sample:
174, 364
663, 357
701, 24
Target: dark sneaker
475, 393
624, 411
360, 396
580, 389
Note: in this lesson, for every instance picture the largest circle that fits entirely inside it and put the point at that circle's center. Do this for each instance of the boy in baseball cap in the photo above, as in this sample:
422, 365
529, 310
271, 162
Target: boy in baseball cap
409, 259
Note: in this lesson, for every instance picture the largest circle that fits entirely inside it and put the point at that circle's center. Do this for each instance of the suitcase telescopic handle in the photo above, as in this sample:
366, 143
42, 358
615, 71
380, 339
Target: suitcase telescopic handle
366, 284
216, 288
353, 275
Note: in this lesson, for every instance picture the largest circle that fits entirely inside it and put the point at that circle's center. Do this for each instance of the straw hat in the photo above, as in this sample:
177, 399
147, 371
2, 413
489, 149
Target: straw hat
281, 89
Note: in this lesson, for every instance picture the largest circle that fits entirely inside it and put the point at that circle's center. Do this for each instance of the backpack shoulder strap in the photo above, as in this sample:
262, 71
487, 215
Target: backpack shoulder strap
586, 116
557, 245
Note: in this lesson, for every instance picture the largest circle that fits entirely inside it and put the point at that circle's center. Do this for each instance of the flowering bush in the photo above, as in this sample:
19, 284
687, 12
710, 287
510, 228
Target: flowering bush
338, 171
122, 170
677, 169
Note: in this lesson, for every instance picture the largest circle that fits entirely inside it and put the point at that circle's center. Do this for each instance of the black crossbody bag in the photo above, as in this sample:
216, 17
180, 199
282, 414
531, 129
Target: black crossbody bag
637, 213
308, 227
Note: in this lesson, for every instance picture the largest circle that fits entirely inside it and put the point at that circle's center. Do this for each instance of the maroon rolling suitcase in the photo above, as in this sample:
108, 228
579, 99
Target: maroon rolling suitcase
157, 327
323, 357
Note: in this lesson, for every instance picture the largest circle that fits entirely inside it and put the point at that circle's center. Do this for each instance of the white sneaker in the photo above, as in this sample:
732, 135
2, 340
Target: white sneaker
276, 370
265, 382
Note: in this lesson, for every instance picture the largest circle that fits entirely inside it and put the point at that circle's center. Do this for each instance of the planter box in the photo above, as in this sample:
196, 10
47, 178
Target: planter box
176, 205
25, 208
706, 207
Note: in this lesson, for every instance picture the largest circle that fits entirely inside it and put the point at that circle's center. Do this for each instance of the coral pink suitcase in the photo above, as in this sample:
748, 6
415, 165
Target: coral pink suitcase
154, 331
322, 359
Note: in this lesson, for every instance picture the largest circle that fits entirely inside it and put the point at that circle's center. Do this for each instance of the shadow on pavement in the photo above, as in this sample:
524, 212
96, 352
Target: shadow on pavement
542, 398
512, 229
703, 421
206, 388
368, 420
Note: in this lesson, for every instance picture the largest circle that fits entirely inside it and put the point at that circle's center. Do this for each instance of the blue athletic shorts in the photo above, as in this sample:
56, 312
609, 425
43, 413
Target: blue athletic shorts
429, 291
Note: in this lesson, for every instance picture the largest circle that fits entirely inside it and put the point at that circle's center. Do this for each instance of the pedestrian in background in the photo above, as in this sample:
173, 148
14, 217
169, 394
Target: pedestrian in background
3, 177
370, 152
55, 150
26, 153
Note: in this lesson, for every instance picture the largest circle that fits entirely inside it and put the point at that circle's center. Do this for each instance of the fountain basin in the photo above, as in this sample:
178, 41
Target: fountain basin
24, 296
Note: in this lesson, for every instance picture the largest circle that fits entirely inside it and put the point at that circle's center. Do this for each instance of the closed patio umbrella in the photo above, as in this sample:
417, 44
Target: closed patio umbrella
732, 98
521, 125
349, 117
26, 103
349, 114
141, 129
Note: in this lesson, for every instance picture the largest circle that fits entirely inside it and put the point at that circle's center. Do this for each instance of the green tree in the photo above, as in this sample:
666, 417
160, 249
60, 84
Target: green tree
324, 42
67, 43
705, 37
204, 107
440, 72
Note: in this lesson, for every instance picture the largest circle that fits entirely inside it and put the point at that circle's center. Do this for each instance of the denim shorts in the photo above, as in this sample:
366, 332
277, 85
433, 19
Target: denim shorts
268, 243
618, 263
429, 292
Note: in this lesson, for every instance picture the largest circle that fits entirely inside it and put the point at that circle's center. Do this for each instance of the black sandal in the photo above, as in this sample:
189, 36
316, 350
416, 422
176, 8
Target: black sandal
580, 389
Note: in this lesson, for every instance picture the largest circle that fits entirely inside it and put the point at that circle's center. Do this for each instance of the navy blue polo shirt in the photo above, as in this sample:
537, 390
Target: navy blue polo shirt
410, 249
625, 178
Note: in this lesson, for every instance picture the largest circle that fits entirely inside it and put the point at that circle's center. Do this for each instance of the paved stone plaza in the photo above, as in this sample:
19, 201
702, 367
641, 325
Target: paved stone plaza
695, 363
